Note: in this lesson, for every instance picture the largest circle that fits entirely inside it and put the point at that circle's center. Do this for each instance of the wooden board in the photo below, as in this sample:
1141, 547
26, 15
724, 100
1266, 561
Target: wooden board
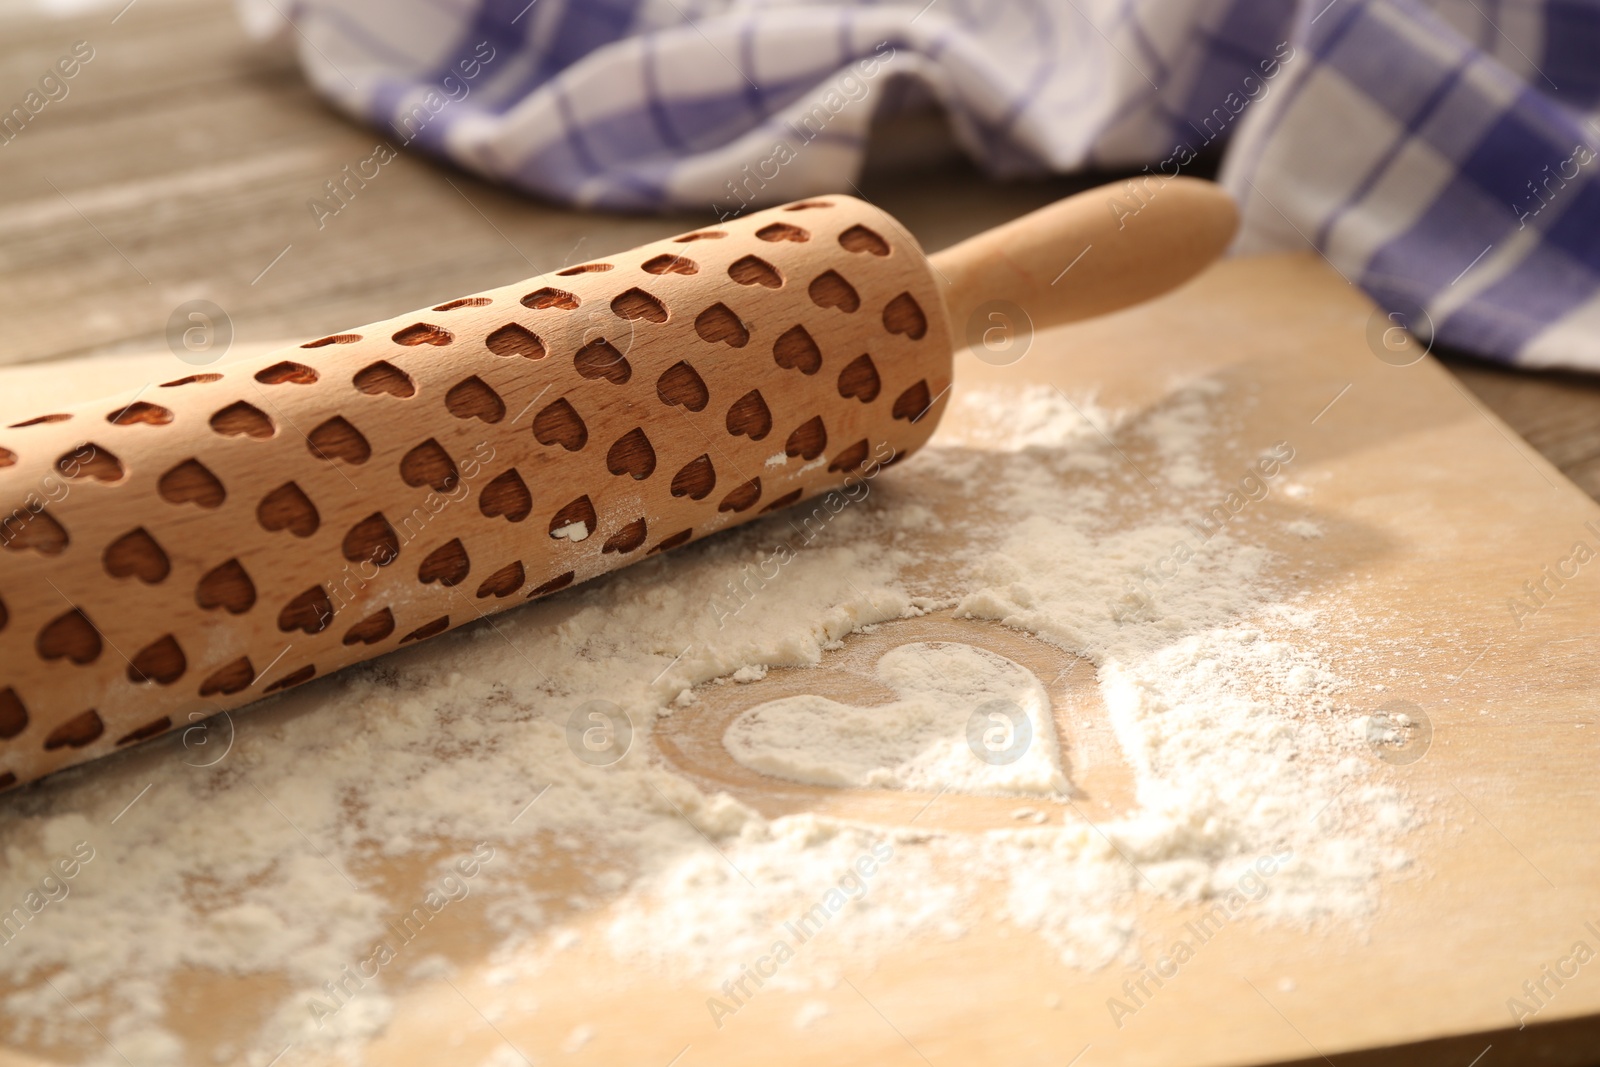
1435, 514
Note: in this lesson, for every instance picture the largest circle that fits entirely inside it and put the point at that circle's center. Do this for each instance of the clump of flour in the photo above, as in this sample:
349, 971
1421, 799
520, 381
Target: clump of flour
336, 812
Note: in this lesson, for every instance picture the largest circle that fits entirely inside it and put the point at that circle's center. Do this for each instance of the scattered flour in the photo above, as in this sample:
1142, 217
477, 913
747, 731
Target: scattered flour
573, 531
270, 844
810, 1013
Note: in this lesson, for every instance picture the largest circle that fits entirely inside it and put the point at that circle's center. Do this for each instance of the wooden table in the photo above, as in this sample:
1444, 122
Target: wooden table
182, 163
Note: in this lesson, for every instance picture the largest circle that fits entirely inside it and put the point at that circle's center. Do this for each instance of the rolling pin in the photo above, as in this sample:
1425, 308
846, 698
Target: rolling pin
225, 535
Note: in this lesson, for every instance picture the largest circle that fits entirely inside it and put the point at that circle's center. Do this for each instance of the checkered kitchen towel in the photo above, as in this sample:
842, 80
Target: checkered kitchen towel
1441, 155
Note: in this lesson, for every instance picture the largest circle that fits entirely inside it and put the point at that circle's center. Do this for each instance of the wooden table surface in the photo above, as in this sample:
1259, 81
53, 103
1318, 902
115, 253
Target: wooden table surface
182, 163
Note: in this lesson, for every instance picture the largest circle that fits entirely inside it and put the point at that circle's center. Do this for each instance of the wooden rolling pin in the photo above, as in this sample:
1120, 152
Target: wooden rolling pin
229, 534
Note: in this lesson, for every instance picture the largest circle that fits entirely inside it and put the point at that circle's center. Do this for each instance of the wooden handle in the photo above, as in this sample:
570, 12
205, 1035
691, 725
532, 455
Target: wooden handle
1090, 254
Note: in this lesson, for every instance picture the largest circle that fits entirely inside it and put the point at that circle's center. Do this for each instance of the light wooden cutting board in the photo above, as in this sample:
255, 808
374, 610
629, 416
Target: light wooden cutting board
1435, 515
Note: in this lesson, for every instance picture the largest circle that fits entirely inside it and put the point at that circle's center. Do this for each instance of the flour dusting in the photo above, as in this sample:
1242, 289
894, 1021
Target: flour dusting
321, 836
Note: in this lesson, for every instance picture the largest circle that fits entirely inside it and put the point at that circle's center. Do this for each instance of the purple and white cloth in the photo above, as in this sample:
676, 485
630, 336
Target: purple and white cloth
1439, 154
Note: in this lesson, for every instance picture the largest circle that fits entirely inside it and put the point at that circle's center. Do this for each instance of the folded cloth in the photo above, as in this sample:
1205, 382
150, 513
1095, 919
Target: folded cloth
1440, 155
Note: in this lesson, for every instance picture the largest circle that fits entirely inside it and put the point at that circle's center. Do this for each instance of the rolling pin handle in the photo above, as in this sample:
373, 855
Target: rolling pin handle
1098, 251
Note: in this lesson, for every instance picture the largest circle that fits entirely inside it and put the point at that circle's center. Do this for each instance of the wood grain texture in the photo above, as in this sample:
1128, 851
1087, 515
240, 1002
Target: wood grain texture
1557, 412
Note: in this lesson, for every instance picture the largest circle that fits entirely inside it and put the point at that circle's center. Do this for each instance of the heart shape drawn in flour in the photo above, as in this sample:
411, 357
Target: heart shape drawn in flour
965, 720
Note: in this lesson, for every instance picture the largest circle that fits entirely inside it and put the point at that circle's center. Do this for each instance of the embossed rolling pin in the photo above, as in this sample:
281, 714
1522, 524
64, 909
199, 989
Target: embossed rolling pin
229, 534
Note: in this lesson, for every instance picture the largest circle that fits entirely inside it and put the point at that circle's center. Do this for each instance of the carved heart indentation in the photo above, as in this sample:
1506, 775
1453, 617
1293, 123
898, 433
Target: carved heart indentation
575, 522
904, 315
90, 460
36, 530
76, 732
632, 454
448, 565
336, 339
559, 424
859, 379
506, 495
681, 384
226, 586
753, 270
428, 629
288, 508
429, 464
190, 482
311, 612
743, 497
782, 231
162, 661
808, 439
600, 359
626, 539
696, 479
336, 438
718, 324
234, 677
795, 350
136, 554
750, 417
669, 543
372, 540
560, 581
547, 297
293, 678
147, 731
850, 458
69, 635
638, 304
140, 412
860, 239
514, 339
830, 290
288, 372
471, 398
503, 582
784, 501
423, 333
240, 419
13, 714
373, 628
912, 404
384, 377
669, 264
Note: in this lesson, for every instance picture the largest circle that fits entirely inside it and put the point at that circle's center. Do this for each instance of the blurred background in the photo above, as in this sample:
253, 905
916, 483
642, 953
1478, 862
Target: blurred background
210, 178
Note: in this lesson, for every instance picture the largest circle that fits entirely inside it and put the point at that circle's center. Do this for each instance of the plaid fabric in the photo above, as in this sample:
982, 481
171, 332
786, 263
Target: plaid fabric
1440, 155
